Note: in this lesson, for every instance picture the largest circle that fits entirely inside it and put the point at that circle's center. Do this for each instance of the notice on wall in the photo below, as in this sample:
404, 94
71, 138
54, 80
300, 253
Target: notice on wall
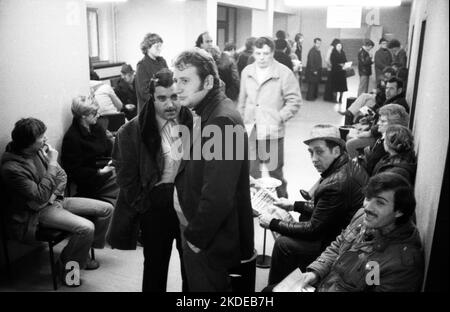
344, 16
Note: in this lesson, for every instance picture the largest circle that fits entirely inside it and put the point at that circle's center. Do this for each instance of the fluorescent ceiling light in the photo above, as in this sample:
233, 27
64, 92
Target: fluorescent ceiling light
105, 0
325, 3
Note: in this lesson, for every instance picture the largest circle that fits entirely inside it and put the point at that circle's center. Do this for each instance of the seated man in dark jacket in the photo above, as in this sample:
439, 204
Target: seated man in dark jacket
126, 91
34, 185
337, 197
380, 250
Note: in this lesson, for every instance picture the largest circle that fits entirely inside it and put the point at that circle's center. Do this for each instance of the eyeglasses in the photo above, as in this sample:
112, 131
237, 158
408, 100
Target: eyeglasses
163, 98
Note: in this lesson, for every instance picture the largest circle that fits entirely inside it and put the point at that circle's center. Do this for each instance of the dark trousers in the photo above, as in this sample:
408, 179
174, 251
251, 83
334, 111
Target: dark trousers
313, 91
159, 227
328, 94
289, 254
202, 274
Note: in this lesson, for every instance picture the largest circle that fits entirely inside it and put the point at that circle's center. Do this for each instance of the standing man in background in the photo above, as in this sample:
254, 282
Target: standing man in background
364, 66
269, 97
314, 70
151, 63
204, 41
383, 59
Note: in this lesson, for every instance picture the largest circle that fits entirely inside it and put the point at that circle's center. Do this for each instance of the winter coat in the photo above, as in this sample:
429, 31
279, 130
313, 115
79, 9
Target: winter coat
313, 70
228, 73
83, 153
336, 199
364, 63
145, 70
30, 184
404, 165
214, 195
137, 173
383, 59
270, 104
346, 264
338, 78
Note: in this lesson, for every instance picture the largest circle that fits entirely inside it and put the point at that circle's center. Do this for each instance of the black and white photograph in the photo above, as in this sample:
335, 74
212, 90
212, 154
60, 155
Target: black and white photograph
224, 151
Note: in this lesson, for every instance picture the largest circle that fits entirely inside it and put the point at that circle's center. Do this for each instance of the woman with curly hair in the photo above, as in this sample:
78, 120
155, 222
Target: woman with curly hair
401, 158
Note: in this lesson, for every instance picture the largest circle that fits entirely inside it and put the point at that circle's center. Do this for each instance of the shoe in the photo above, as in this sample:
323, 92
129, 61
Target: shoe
305, 195
347, 113
92, 264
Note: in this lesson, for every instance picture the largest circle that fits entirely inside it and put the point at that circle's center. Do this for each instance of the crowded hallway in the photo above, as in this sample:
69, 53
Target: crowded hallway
101, 147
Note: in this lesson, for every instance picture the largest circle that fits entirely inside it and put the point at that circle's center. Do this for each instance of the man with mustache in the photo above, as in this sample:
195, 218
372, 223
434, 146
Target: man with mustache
380, 250
336, 198
146, 169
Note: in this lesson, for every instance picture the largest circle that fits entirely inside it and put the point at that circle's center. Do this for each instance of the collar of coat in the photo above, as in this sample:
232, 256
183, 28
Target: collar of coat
274, 70
209, 103
83, 131
335, 165
406, 233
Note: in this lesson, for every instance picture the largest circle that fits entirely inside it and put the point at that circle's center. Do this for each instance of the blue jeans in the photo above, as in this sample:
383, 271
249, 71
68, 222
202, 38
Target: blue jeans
74, 215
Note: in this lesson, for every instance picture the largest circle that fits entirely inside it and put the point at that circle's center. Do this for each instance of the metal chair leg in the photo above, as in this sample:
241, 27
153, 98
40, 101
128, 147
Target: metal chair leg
92, 254
52, 266
7, 259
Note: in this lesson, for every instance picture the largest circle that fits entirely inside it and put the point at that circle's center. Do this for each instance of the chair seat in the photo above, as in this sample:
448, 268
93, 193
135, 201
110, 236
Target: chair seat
50, 235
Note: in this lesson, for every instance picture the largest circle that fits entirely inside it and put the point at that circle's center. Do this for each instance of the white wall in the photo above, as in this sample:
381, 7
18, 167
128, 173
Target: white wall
431, 128
44, 62
178, 23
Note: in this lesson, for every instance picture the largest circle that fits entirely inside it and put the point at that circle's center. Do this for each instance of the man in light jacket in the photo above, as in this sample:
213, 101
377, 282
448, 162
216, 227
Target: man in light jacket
269, 97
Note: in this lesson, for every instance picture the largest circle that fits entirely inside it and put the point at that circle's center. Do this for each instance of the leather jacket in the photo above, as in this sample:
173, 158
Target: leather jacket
336, 199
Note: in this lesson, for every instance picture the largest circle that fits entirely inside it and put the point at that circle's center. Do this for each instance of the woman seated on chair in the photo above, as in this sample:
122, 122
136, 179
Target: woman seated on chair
401, 158
86, 153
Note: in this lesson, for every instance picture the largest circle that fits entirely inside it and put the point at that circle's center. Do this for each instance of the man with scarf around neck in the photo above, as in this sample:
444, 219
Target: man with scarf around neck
146, 169
212, 195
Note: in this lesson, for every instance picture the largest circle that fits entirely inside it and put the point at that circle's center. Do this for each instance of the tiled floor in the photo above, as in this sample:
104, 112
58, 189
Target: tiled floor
122, 270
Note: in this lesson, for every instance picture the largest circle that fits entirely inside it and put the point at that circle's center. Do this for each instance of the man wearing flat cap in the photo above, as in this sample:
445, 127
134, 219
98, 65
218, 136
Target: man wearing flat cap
335, 200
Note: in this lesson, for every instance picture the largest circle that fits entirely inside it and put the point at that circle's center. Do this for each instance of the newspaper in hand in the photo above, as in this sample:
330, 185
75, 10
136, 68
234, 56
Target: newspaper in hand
262, 201
347, 65
294, 282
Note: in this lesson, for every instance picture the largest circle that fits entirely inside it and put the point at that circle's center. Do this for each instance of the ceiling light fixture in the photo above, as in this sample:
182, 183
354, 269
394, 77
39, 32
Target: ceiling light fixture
326, 3
104, 1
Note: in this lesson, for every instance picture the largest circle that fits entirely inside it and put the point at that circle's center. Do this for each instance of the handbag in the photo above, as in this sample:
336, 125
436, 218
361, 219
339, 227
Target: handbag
349, 72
